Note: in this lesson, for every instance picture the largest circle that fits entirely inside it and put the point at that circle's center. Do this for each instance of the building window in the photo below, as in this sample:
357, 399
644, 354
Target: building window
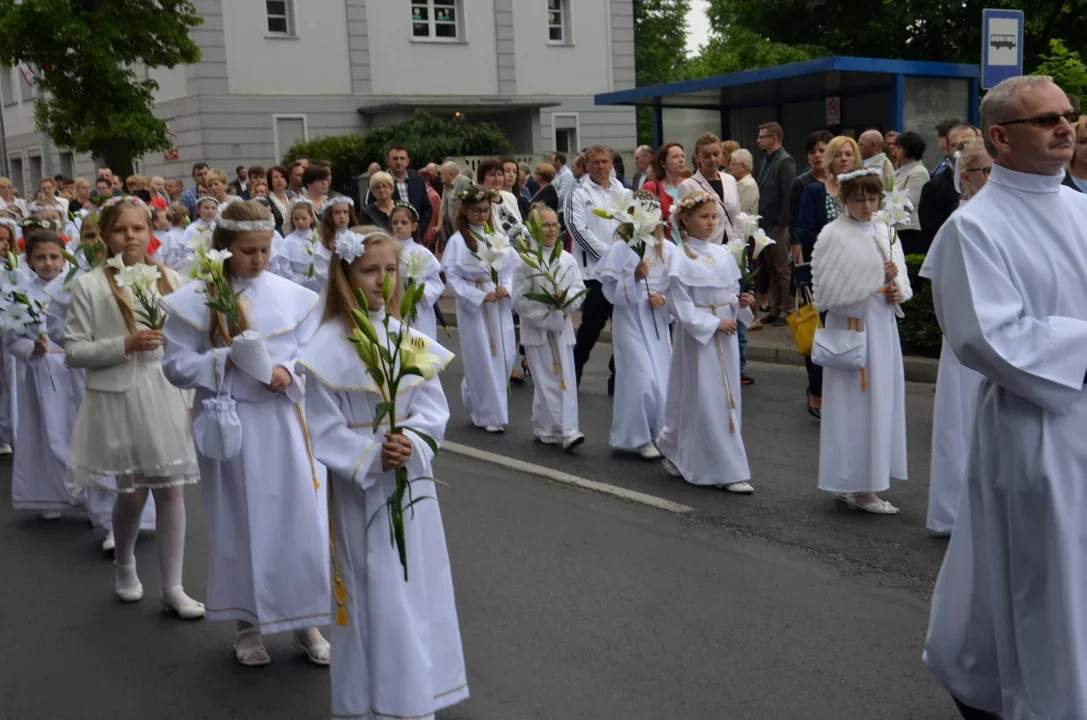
435, 19
565, 126
288, 130
16, 169
558, 22
67, 163
280, 17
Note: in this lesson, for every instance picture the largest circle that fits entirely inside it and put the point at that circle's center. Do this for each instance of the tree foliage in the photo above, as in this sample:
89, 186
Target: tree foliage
1065, 66
735, 48
660, 49
429, 139
942, 30
84, 52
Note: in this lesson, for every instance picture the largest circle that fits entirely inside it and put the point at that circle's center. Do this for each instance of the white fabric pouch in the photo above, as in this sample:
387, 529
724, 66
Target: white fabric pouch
217, 431
839, 349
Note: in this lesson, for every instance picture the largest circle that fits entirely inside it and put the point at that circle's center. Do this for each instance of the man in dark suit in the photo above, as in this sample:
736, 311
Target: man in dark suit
939, 198
643, 159
408, 186
776, 177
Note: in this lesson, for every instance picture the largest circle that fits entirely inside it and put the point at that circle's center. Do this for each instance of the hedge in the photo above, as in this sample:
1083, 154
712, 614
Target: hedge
429, 139
919, 330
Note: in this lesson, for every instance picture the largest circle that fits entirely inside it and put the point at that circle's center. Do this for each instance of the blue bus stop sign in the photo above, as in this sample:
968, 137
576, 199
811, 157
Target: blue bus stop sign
1001, 46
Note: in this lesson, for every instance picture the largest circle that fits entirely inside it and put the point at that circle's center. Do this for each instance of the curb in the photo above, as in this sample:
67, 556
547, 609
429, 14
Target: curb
917, 369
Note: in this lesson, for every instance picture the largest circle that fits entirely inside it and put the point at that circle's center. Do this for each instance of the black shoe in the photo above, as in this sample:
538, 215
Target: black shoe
746, 379
778, 322
611, 387
517, 380
815, 412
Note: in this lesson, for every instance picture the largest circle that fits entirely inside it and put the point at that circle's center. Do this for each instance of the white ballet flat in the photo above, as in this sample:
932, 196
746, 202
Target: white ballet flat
5, 449
547, 440
740, 488
108, 543
256, 656
649, 451
318, 655
572, 442
51, 515
670, 468
127, 594
494, 429
192, 610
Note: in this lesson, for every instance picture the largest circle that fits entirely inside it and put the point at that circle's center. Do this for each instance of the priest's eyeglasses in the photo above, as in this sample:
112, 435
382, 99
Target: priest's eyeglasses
983, 170
1047, 121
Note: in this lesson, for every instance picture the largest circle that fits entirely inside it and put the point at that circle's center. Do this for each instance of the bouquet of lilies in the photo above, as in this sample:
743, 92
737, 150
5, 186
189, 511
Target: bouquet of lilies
897, 210
639, 218
208, 267
141, 279
388, 362
413, 267
546, 266
738, 248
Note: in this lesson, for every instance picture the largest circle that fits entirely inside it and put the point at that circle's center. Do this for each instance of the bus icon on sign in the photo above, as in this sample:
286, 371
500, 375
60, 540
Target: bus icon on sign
1005, 41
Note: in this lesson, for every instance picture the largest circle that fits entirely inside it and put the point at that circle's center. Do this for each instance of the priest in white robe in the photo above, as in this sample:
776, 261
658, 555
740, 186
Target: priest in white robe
1008, 631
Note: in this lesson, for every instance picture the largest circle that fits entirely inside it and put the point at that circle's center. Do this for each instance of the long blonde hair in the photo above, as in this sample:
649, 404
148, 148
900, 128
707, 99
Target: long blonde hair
222, 330
109, 219
340, 296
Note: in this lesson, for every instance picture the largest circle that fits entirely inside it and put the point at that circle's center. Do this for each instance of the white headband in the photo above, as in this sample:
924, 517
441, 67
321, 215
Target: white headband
858, 173
336, 201
205, 198
245, 225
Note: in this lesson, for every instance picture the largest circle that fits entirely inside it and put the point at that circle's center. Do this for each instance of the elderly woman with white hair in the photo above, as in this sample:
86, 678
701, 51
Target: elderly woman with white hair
740, 166
378, 212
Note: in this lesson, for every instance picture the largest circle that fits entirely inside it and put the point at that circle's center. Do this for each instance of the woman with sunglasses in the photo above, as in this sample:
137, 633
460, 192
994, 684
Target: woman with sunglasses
956, 386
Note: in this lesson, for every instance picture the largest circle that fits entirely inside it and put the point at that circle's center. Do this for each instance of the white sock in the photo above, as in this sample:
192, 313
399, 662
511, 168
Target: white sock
126, 527
170, 539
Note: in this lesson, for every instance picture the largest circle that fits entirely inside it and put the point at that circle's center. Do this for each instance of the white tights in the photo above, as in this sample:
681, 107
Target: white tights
169, 538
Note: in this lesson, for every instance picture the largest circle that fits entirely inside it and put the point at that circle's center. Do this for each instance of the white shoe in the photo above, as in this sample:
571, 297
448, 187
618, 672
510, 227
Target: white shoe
186, 608
572, 442
108, 543
670, 468
494, 429
649, 451
130, 594
740, 488
51, 515
5, 449
546, 440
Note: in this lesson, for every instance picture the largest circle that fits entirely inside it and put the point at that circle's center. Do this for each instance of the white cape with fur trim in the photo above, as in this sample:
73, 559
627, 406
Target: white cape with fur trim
862, 438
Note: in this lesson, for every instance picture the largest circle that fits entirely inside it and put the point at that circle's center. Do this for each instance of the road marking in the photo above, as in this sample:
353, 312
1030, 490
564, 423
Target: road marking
568, 479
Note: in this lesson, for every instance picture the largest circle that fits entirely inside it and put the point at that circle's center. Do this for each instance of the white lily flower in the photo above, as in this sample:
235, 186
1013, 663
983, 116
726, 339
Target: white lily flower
738, 248
898, 216
621, 200
897, 199
216, 259
116, 263
414, 265
749, 223
762, 241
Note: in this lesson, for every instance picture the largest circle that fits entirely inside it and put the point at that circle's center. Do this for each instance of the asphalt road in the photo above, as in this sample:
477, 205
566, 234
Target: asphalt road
572, 604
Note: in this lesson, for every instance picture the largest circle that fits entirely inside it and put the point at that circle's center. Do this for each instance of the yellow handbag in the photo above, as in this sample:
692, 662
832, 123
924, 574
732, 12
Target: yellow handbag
803, 322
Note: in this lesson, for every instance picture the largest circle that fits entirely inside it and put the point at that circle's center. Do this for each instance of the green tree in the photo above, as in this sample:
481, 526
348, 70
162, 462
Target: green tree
942, 30
735, 48
660, 50
90, 99
1065, 66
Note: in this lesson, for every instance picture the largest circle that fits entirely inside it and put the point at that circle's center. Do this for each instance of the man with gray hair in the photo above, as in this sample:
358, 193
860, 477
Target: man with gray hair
1008, 629
643, 158
872, 155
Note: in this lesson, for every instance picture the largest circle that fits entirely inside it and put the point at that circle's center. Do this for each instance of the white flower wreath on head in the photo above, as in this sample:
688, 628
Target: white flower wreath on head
245, 225
339, 199
350, 246
8, 221
692, 201
859, 173
205, 198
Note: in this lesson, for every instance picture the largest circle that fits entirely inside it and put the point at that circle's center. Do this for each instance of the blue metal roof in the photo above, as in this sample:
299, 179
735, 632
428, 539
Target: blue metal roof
781, 72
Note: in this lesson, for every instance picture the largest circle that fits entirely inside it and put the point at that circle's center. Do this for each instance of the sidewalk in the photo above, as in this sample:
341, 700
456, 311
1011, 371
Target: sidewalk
771, 345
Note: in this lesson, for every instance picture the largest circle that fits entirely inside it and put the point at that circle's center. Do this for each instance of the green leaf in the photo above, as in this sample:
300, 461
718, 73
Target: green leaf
556, 252
377, 375
381, 410
543, 298
425, 438
571, 301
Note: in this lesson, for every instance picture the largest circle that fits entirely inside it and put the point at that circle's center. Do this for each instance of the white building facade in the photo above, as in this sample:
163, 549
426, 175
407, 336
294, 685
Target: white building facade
276, 71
